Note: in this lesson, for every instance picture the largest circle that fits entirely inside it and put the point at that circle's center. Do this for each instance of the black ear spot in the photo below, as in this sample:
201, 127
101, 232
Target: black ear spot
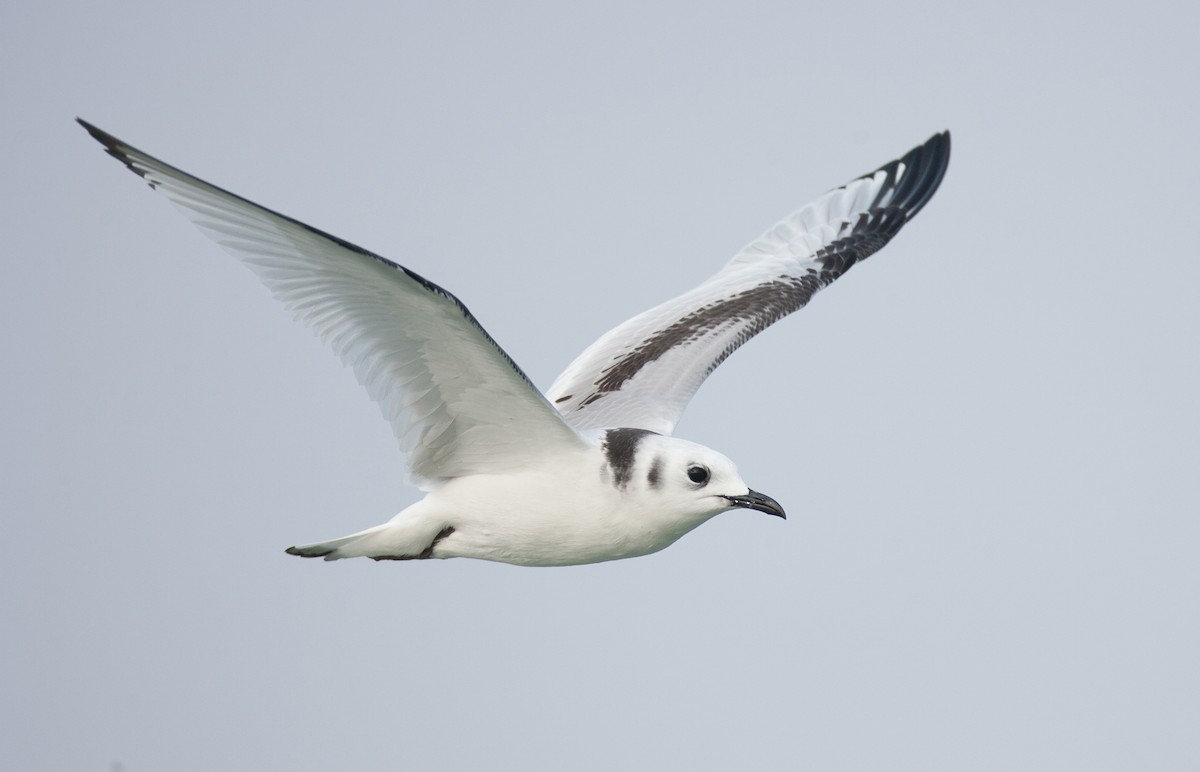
654, 477
698, 474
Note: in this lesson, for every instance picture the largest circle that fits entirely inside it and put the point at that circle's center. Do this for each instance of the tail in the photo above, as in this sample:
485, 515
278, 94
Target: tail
403, 540
336, 549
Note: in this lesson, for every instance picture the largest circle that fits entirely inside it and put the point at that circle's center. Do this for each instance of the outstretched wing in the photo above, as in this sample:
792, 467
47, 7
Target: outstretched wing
643, 373
458, 404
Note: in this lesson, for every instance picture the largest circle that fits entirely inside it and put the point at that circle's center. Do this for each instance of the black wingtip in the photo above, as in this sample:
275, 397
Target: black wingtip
910, 181
926, 167
113, 146
913, 178
110, 142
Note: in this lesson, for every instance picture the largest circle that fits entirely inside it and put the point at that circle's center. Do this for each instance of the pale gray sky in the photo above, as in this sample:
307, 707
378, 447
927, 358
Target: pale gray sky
986, 437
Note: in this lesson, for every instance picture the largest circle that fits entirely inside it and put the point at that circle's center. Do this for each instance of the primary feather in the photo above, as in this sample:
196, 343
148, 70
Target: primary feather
457, 403
644, 372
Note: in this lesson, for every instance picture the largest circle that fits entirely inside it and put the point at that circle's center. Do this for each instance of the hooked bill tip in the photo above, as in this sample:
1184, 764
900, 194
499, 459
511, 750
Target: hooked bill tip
759, 501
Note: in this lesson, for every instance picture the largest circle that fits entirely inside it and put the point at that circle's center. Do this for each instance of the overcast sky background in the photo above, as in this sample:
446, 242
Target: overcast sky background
986, 437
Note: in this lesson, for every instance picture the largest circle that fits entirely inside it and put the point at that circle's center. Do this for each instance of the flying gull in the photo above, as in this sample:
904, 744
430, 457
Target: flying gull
589, 471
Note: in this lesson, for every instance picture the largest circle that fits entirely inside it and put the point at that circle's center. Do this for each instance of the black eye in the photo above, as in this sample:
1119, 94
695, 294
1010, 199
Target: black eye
698, 474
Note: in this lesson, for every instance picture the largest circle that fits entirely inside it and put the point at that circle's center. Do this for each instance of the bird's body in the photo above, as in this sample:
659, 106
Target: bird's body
564, 510
588, 472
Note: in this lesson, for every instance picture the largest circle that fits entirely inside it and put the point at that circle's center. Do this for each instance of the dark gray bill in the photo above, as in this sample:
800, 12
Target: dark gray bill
756, 500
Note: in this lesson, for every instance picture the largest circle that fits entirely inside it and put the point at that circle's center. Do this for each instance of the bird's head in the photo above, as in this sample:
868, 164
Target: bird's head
673, 475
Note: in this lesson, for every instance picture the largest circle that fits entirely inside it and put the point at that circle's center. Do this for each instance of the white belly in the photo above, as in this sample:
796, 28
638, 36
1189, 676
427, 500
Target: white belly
566, 515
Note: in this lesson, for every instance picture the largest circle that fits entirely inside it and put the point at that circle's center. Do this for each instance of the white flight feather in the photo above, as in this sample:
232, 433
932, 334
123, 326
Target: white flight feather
456, 402
655, 397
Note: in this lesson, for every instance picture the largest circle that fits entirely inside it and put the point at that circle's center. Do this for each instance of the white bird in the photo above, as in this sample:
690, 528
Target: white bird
588, 472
